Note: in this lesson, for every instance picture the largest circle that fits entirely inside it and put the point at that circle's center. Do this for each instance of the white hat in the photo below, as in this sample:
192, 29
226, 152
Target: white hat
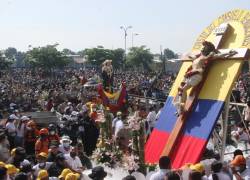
12, 104
69, 103
66, 117
13, 116
65, 138
74, 113
24, 118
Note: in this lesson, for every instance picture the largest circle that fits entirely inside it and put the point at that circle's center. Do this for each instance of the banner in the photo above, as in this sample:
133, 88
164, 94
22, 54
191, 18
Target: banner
115, 101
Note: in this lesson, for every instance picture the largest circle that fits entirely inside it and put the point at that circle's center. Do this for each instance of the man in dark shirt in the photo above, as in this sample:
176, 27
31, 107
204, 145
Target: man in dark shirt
53, 151
57, 167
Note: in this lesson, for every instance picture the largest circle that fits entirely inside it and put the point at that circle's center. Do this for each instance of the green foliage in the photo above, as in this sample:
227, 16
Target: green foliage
139, 56
118, 56
17, 57
10, 53
20, 59
67, 51
96, 56
169, 54
4, 62
47, 57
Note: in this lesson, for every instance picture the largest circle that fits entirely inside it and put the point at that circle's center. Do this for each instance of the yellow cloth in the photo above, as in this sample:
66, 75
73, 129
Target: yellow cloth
197, 167
42, 174
43, 154
2, 164
72, 176
64, 173
11, 169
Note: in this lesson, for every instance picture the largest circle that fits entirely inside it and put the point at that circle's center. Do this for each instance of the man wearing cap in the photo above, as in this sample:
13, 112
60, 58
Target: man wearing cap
15, 114
42, 144
151, 118
53, 151
65, 147
41, 163
20, 130
74, 161
11, 131
117, 124
98, 173
58, 166
30, 137
18, 157
53, 135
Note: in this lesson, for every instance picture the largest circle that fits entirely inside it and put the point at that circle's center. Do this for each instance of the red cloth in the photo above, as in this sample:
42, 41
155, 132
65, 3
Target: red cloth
113, 104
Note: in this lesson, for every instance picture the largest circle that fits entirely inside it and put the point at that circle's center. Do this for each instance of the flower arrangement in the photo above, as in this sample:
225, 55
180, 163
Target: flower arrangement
134, 121
108, 157
131, 162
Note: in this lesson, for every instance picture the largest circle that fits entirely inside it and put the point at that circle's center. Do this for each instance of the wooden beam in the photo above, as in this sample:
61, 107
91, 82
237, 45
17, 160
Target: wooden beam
242, 54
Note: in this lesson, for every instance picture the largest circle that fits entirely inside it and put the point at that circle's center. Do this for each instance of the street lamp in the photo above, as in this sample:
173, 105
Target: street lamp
125, 29
134, 34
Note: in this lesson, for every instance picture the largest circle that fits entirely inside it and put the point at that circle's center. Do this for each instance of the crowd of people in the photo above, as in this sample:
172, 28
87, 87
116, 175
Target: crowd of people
145, 83
63, 151
27, 88
27, 148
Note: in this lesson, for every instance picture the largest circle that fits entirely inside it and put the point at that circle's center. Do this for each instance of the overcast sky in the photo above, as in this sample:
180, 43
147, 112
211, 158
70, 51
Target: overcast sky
80, 24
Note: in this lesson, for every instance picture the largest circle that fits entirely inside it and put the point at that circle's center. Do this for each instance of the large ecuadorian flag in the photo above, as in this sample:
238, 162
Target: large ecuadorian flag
201, 121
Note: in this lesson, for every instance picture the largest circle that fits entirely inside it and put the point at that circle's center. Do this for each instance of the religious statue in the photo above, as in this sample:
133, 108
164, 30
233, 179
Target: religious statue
194, 73
107, 75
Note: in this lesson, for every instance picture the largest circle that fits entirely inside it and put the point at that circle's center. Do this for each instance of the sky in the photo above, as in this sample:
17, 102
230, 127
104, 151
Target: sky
80, 24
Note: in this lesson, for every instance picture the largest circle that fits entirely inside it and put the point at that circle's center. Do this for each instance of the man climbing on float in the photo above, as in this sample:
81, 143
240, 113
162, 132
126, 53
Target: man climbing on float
194, 73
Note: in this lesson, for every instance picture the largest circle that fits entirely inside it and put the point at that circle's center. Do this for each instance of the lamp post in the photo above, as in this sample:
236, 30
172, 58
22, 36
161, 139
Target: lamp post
134, 34
125, 29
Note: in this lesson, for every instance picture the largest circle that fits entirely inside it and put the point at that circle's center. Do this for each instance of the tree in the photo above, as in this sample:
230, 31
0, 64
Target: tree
17, 57
139, 56
4, 62
118, 55
10, 53
96, 56
66, 51
169, 54
47, 57
20, 59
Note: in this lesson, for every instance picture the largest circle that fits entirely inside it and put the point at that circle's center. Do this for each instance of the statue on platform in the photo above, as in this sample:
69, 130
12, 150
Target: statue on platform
194, 73
107, 75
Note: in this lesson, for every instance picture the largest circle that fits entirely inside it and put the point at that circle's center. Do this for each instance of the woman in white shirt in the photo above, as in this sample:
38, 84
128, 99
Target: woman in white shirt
11, 132
21, 130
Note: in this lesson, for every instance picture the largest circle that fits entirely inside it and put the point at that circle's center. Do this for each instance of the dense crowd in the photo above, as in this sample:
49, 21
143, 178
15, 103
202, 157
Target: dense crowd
145, 83
27, 88
63, 150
